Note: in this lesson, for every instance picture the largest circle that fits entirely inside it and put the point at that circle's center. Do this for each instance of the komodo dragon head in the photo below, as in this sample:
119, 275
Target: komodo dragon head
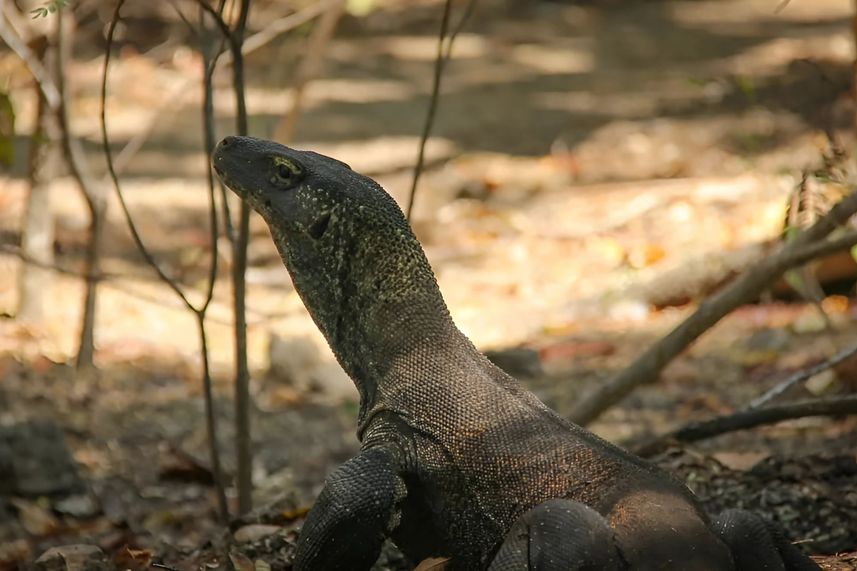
351, 254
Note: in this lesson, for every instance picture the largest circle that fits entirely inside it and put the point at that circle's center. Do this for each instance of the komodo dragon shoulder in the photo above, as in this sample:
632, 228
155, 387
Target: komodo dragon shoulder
457, 459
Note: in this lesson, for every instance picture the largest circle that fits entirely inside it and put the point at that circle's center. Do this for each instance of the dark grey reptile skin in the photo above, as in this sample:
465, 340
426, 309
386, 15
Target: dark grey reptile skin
457, 459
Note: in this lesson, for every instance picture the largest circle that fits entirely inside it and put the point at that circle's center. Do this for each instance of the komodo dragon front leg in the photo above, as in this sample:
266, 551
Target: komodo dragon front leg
354, 513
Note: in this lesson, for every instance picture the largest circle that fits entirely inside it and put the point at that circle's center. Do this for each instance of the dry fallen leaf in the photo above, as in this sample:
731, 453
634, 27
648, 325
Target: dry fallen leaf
645, 255
297, 513
13, 553
129, 559
433, 564
822, 383
568, 350
241, 562
35, 519
739, 460
177, 465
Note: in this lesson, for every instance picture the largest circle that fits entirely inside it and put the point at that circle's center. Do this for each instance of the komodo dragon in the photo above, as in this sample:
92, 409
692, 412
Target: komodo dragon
457, 459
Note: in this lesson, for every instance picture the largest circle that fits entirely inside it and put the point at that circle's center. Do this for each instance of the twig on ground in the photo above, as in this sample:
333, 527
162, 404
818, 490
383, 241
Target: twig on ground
444, 52
695, 431
801, 376
743, 289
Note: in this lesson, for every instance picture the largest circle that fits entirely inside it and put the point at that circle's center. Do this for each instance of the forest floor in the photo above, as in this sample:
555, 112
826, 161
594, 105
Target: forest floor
586, 164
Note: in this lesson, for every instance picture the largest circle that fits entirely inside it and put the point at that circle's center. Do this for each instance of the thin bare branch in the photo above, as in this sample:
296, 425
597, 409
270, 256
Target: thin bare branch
212, 57
444, 53
19, 253
217, 17
211, 422
243, 443
170, 104
695, 431
116, 282
34, 66
814, 251
209, 61
108, 154
211, 427
743, 289
286, 24
309, 68
801, 376
432, 108
235, 39
15, 20
459, 27
781, 6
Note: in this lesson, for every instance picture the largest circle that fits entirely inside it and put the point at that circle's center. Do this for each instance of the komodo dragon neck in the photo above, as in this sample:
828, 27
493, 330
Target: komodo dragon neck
387, 306
351, 254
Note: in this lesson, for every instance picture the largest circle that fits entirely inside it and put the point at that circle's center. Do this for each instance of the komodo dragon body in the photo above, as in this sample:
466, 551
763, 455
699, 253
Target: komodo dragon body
457, 459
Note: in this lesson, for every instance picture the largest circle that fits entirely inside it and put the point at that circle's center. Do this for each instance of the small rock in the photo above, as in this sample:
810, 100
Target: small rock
79, 505
41, 464
73, 558
629, 310
822, 383
297, 362
329, 380
772, 339
291, 359
810, 323
254, 532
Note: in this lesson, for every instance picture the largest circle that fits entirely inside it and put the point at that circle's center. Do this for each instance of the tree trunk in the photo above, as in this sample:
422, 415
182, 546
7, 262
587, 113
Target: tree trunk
37, 232
93, 192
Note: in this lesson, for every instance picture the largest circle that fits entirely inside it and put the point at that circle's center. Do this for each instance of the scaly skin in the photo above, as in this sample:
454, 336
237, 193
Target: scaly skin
457, 459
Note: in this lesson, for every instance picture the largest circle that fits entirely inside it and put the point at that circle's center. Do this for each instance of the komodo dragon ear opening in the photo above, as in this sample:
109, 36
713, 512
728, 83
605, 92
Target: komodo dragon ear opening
319, 227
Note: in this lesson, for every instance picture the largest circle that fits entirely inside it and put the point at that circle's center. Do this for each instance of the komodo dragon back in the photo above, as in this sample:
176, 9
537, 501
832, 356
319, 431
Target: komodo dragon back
457, 459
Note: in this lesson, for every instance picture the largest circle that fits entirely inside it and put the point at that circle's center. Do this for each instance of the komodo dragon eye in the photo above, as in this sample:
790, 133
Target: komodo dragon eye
286, 173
